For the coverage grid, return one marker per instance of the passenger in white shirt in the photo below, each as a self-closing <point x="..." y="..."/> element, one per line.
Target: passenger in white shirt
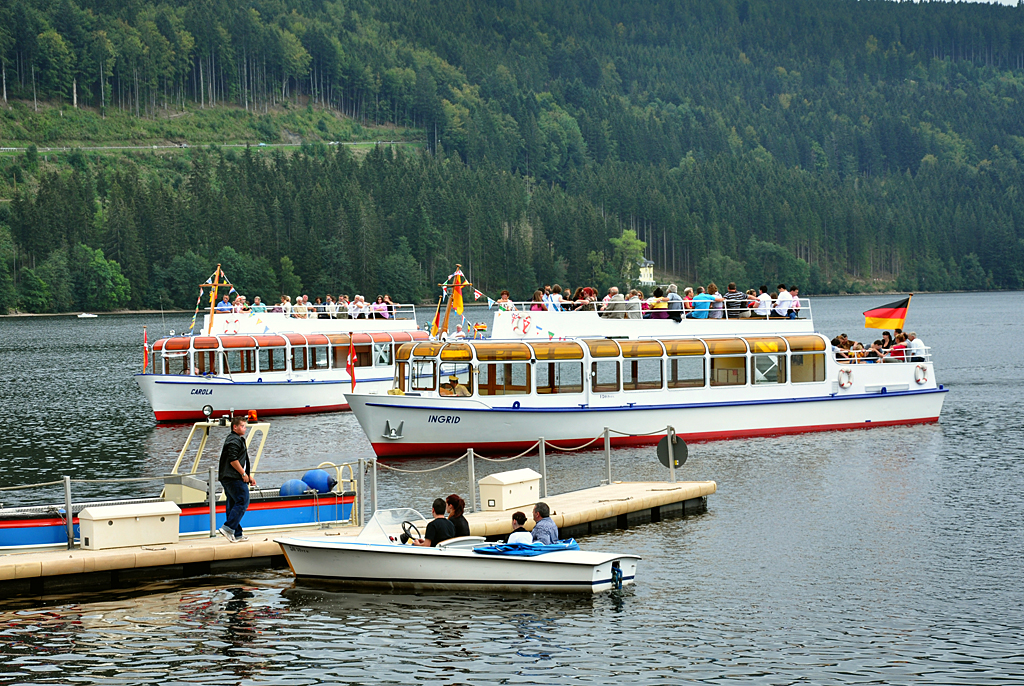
<point x="916" y="348"/>
<point x="357" y="308"/>
<point x="519" y="534"/>
<point x="764" y="303"/>
<point x="783" y="302"/>
<point x="459" y="333"/>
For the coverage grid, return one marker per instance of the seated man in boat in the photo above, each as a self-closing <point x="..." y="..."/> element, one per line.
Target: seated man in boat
<point x="454" y="388"/>
<point x="224" y="305"/>
<point x="545" y="531"/>
<point x="519" y="534"/>
<point x="439" y="529"/>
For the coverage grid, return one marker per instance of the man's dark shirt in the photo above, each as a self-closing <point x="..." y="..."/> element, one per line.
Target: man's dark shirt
<point x="438" y="531"/>
<point x="234" y="449"/>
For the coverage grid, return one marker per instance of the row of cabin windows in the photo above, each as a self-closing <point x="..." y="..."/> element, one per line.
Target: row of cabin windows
<point x="609" y="376"/>
<point x="264" y="360"/>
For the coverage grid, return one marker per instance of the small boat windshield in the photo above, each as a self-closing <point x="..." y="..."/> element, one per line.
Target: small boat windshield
<point x="387" y="524"/>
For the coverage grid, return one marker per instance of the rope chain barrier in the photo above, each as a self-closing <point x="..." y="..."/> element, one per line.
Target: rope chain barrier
<point x="18" y="488"/>
<point x="509" y="459"/>
<point x="423" y="471"/>
<point x="579" y="447"/>
<point x="650" y="433"/>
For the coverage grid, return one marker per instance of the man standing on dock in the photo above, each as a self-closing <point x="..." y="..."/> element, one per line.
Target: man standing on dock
<point x="545" y="531"/>
<point x="234" y="477"/>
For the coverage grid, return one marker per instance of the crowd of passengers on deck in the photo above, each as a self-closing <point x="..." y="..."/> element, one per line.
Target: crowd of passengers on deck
<point x="666" y="303"/>
<point x="382" y="307"/>
<point x="903" y="347"/>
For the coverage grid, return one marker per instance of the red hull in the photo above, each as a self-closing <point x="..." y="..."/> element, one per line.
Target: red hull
<point x="403" y="449"/>
<point x="197" y="415"/>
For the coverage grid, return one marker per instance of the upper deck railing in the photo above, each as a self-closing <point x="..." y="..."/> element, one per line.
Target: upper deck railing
<point x="633" y="309"/>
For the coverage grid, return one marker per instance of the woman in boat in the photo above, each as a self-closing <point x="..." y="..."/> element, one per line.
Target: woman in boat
<point x="504" y="303"/>
<point x="390" y="304"/>
<point x="519" y="533"/>
<point x="538" y="304"/>
<point x="456" y="506"/>
<point x="718" y="304"/>
<point x="659" y="305"/>
<point x="886" y="341"/>
<point x="379" y="308"/>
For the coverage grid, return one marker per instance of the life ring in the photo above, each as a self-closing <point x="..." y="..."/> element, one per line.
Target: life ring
<point x="921" y="374"/>
<point x="845" y="378"/>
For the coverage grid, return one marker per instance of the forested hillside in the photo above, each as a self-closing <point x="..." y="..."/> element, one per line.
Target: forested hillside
<point x="845" y="145"/>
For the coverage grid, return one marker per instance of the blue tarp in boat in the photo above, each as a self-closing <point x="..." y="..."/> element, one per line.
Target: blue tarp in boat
<point x="527" y="549"/>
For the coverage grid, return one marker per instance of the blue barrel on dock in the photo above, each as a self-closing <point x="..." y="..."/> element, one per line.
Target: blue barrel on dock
<point x="294" y="487"/>
<point x="319" y="480"/>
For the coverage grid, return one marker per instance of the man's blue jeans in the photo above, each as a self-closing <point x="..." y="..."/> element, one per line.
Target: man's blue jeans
<point x="236" y="492"/>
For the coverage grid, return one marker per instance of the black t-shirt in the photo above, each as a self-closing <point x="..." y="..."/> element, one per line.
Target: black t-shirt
<point x="438" y="531"/>
<point x="461" y="525"/>
<point x="234" y="449"/>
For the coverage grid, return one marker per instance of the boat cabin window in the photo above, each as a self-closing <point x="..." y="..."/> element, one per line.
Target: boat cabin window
<point x="807" y="359"/>
<point x="382" y="354"/>
<point x="273" y="359"/>
<point x="559" y="377"/>
<point x="205" y="362"/>
<point x="504" y="378"/>
<point x="173" y="362"/>
<point x="728" y="361"/>
<point x="641" y="375"/>
<point x="298" y="358"/>
<point x="422" y="378"/>
<point x="461" y="370"/>
<point x="604" y="375"/>
<point x="238" y="361"/>
<point x="686" y="372"/>
<point x="318" y="357"/>
<point x="494" y="352"/>
<point x="768" y="363"/>
<point x="602" y="347"/>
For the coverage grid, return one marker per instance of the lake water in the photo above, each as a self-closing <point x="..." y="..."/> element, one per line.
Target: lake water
<point x="893" y="555"/>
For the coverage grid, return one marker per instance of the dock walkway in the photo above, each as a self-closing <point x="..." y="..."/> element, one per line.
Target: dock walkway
<point x="577" y="513"/>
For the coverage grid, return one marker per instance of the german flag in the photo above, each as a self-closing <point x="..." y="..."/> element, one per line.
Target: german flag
<point x="889" y="316"/>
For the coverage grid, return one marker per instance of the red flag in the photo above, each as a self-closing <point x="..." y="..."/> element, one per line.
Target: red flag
<point x="145" y="349"/>
<point x="350" y="363"/>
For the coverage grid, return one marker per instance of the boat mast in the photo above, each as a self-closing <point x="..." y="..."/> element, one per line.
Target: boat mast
<point x="213" y="295"/>
<point x="448" y="309"/>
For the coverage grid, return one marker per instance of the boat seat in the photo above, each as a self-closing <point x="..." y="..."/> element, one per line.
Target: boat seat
<point x="468" y="542"/>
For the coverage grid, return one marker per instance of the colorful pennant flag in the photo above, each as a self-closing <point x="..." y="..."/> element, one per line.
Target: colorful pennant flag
<point x="477" y="295"/>
<point x="891" y="316"/>
<point x="490" y="303"/>
<point x="145" y="349"/>
<point x="350" y="363"/>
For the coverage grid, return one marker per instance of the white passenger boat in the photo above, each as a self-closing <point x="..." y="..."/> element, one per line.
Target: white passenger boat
<point x="272" y="363"/>
<point x="568" y="375"/>
<point x="377" y="559"/>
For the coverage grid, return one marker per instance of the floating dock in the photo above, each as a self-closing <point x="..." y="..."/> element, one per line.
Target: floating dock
<point x="619" y="505"/>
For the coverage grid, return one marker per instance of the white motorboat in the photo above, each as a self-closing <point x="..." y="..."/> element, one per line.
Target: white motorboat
<point x="86" y="315"/>
<point x="377" y="558"/>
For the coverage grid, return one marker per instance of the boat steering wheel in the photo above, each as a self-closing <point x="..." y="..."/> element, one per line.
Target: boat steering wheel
<point x="408" y="527"/>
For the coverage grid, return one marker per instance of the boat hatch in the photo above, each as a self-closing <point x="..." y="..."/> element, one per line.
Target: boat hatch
<point x="557" y="351"/>
<point x="427" y="349"/>
<point x="205" y="343"/>
<point x="603" y="347"/>
<point x="270" y="341"/>
<point x="634" y="348"/>
<point x="237" y="342"/>
<point x="680" y="348"/>
<point x="495" y="352"/>
<point x="726" y="346"/>
<point x="457" y="352"/>
<point x="806" y="344"/>
<point x="767" y="344"/>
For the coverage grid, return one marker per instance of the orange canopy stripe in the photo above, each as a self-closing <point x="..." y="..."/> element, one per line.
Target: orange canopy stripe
<point x="891" y="316"/>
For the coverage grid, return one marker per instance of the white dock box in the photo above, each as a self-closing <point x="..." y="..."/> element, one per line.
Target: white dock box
<point x="125" y="526"/>
<point x="510" y="490"/>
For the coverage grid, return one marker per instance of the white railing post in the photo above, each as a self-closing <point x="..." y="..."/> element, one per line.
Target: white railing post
<point x="608" y="454"/>
<point x="360" y="484"/>
<point x="68" y="511"/>
<point x="543" y="468"/>
<point x="472" y="481"/>
<point x="671" y="436"/>
<point x="211" y="497"/>
<point x="373" y="484"/>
